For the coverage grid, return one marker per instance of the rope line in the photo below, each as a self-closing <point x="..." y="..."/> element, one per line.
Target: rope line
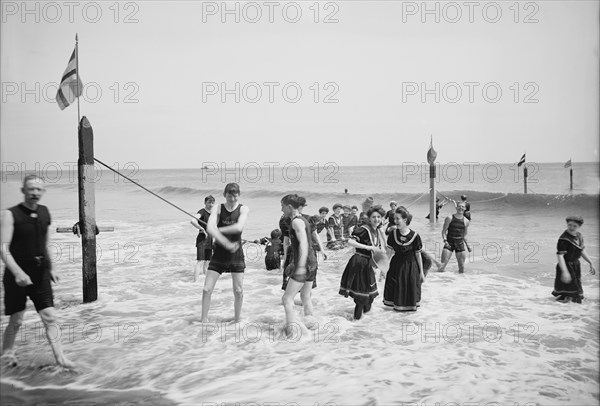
<point x="418" y="198"/>
<point x="491" y="200"/>
<point x="146" y="189"/>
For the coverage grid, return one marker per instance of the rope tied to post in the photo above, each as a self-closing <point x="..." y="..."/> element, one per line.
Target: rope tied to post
<point x="149" y="191"/>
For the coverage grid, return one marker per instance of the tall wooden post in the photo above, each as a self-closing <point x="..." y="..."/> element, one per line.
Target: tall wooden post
<point x="87" y="211"/>
<point x="431" y="156"/>
<point x="525" y="178"/>
<point x="571" y="179"/>
<point x="432" y="204"/>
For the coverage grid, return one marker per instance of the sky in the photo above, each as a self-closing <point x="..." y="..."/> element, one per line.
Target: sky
<point x="180" y="84"/>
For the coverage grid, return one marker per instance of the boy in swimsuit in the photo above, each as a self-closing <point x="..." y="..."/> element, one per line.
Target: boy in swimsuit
<point x="225" y="225"/>
<point x="204" y="242"/>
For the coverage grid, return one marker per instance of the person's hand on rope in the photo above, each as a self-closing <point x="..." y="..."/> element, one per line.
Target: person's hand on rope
<point x="231" y="246"/>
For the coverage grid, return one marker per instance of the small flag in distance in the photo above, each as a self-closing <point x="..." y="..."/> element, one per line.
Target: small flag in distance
<point x="521" y="161"/>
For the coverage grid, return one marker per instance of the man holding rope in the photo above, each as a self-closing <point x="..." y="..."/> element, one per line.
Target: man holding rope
<point x="204" y="242"/>
<point x="225" y="225"/>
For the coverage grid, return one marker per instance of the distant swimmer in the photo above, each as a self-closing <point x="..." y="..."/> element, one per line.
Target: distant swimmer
<point x="346" y="191"/>
<point x="454" y="234"/>
<point x="302" y="271"/>
<point x="225" y="225"/>
<point x="28" y="272"/>
<point x="204" y="242"/>
<point x="570" y="247"/>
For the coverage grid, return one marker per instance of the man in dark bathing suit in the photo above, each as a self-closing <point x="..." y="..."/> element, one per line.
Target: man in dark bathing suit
<point x="28" y="273"/>
<point x="204" y="243"/>
<point x="454" y="234"/>
<point x="225" y="225"/>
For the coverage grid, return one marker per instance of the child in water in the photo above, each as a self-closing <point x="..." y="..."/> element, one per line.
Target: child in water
<point x="273" y="249"/>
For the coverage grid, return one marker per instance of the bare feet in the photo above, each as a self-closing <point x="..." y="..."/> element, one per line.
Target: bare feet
<point x="65" y="363"/>
<point x="311" y="323"/>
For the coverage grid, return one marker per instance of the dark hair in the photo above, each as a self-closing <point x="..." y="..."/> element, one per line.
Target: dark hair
<point x="293" y="200"/>
<point x="354" y="207"/>
<point x="323" y="209"/>
<point x="464" y="197"/>
<point x="377" y="209"/>
<point x="337" y="205"/>
<point x="575" y="219"/>
<point x="302" y="201"/>
<point x="232" y="188"/>
<point x="209" y="198"/>
<point x="314" y="220"/>
<point x="403" y="212"/>
<point x="276" y="233"/>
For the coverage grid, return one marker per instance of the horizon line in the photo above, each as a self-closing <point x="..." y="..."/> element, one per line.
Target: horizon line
<point x="405" y="163"/>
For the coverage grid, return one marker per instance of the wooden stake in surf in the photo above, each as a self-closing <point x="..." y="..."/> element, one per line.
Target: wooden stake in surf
<point x="431" y="156"/>
<point x="525" y="178"/>
<point x="571" y="179"/>
<point x="87" y="211"/>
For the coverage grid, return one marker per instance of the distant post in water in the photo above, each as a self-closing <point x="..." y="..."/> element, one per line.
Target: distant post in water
<point x="571" y="179"/>
<point x="569" y="165"/>
<point x="521" y="162"/>
<point x="431" y="156"/>
<point x="87" y="211"/>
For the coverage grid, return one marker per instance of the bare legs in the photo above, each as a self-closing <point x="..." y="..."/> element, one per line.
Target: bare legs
<point x="53" y="333"/>
<point x="293" y="287"/>
<point x="209" y="285"/>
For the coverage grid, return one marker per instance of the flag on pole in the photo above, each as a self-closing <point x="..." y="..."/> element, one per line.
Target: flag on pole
<point x="431" y="154"/>
<point x="522" y="161"/>
<point x="568" y="164"/>
<point x="70" y="85"/>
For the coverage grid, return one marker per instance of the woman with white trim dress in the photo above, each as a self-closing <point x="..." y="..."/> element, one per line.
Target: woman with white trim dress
<point x="404" y="278"/>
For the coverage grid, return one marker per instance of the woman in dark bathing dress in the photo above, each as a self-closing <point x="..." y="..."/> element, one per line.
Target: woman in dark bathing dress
<point x="358" y="280"/>
<point x="567" y="283"/>
<point x="405" y="276"/>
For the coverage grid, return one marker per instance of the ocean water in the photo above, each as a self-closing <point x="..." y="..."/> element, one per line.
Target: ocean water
<point x="493" y="334"/>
